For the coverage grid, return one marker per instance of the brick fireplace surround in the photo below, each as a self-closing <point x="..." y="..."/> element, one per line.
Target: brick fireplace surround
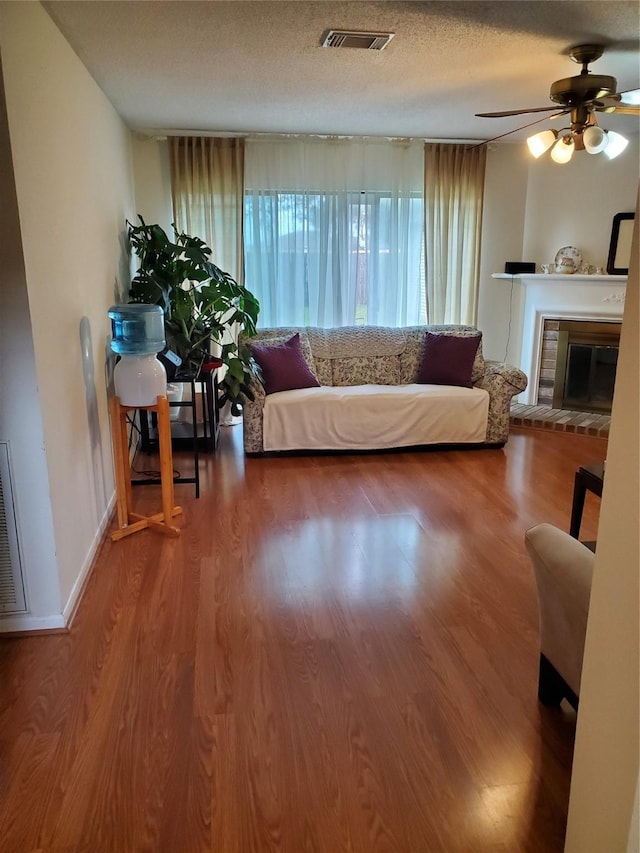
<point x="546" y="300"/>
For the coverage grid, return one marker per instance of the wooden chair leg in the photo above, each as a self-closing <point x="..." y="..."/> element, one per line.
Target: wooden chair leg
<point x="552" y="688"/>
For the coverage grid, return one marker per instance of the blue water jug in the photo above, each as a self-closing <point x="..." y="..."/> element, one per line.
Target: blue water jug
<point x="137" y="335"/>
<point x="137" y="329"/>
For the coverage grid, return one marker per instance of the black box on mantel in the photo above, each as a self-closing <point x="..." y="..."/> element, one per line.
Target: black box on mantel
<point x="518" y="267"/>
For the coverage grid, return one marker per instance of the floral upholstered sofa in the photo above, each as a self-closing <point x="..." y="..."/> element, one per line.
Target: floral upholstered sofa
<point x="374" y="387"/>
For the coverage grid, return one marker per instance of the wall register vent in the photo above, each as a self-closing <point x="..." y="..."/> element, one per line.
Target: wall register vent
<point x="364" y="41"/>
<point x="11" y="588"/>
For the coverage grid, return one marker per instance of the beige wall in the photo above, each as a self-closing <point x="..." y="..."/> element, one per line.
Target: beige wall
<point x="152" y="176"/>
<point x="574" y="204"/>
<point x="499" y="303"/>
<point x="20" y="416"/>
<point x="606" y="758"/>
<point x="533" y="208"/>
<point x="74" y="184"/>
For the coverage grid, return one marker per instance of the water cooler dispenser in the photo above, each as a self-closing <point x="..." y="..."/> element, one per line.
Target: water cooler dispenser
<point x="138" y="336"/>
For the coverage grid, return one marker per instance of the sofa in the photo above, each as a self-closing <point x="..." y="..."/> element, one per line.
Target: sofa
<point x="364" y="393"/>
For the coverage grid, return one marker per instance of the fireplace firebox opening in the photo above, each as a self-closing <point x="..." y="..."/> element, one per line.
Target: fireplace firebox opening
<point x="585" y="369"/>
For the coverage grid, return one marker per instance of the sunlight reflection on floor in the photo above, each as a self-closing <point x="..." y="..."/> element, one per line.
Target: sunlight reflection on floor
<point x="362" y="559"/>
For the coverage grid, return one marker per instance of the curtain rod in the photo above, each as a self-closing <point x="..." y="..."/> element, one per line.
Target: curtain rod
<point x="163" y="135"/>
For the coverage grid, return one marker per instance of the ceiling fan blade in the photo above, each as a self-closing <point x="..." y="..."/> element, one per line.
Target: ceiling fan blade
<point x="625" y="109"/>
<point x="622" y="108"/>
<point x="522" y="127"/>
<point x="630" y="97"/>
<point x="516" y="112"/>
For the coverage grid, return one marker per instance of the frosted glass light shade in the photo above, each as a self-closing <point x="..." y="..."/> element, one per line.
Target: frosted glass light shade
<point x="541" y="142"/>
<point x="595" y="139"/>
<point x="139" y="380"/>
<point x="615" y="145"/>
<point x="563" y="150"/>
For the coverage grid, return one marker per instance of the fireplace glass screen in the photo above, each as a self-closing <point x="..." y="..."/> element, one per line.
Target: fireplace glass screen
<point x="586" y="367"/>
<point x="591" y="374"/>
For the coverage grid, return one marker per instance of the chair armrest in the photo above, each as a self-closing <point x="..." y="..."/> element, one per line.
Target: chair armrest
<point x="563" y="569"/>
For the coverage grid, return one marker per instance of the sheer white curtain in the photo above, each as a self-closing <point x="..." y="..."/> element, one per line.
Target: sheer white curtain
<point x="453" y="195"/>
<point x="207" y="188"/>
<point x="333" y="231"/>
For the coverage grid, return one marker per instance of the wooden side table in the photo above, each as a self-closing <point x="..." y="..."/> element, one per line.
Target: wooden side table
<point x="588" y="478"/>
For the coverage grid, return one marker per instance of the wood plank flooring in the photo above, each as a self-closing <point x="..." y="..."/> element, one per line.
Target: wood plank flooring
<point x="339" y="653"/>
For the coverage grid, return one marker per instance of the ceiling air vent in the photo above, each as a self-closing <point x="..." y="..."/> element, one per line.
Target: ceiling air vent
<point x="349" y="38"/>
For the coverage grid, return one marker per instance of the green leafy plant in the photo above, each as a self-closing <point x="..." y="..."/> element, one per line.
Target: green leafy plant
<point x="201" y="303"/>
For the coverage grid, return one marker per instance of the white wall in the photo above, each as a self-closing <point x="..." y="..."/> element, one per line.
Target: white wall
<point x="74" y="183"/>
<point x="606" y="758"/>
<point x="533" y="208"/>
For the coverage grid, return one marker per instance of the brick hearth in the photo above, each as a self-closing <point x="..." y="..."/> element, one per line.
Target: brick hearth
<point x="544" y="417"/>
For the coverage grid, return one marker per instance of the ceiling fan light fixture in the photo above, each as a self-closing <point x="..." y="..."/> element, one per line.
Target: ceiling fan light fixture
<point x="563" y="150"/>
<point x="615" y="145"/>
<point x="595" y="139"/>
<point x="541" y="142"/>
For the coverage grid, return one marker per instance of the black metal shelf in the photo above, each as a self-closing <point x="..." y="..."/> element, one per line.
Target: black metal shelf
<point x="197" y="436"/>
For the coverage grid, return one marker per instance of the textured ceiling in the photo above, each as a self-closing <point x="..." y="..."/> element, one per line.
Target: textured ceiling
<point x="257" y="66"/>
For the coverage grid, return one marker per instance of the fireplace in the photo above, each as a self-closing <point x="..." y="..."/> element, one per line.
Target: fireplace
<point x="550" y="299"/>
<point x="578" y="365"/>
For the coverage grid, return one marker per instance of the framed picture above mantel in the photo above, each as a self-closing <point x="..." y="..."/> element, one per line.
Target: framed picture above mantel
<point x="620" y="245"/>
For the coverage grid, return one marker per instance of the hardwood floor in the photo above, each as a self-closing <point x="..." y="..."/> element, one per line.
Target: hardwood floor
<point x="339" y="653"/>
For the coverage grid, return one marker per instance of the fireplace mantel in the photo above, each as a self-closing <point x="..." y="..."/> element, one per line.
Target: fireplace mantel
<point x="570" y="297"/>
<point x="570" y="279"/>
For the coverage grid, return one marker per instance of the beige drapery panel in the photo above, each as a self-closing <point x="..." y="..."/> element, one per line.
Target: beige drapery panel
<point x="453" y="196"/>
<point x="207" y="190"/>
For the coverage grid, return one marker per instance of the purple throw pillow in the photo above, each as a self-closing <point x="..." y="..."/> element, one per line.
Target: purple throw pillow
<point x="448" y="360"/>
<point x="283" y="366"/>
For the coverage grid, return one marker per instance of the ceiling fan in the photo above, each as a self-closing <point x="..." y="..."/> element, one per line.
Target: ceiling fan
<point x="580" y="97"/>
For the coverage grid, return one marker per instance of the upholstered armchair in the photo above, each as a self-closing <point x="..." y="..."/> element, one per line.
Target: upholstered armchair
<point x="563" y="568"/>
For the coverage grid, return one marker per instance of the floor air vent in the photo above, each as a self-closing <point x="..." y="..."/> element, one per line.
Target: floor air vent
<point x="349" y="38"/>
<point x="11" y="588"/>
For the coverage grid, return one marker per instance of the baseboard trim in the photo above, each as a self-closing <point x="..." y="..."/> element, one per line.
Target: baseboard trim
<point x="22" y="623"/>
<point x="25" y="623"/>
<point x="75" y="597"/>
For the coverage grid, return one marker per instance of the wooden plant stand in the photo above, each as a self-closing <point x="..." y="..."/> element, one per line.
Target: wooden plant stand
<point x="129" y="521"/>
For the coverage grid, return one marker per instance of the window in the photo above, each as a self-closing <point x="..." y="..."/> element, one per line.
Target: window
<point x="330" y="254"/>
<point x="330" y="257"/>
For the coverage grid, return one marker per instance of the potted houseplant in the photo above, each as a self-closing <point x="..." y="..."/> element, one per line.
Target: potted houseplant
<point x="202" y="305"/>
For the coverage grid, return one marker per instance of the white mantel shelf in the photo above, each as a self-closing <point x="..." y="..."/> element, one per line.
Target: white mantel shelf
<point x="564" y="297"/>
<point x="567" y="278"/>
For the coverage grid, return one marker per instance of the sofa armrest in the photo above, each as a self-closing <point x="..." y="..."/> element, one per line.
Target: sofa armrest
<point x="252" y="417"/>
<point x="502" y="382"/>
<point x="499" y="372"/>
<point x="563" y="569"/>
